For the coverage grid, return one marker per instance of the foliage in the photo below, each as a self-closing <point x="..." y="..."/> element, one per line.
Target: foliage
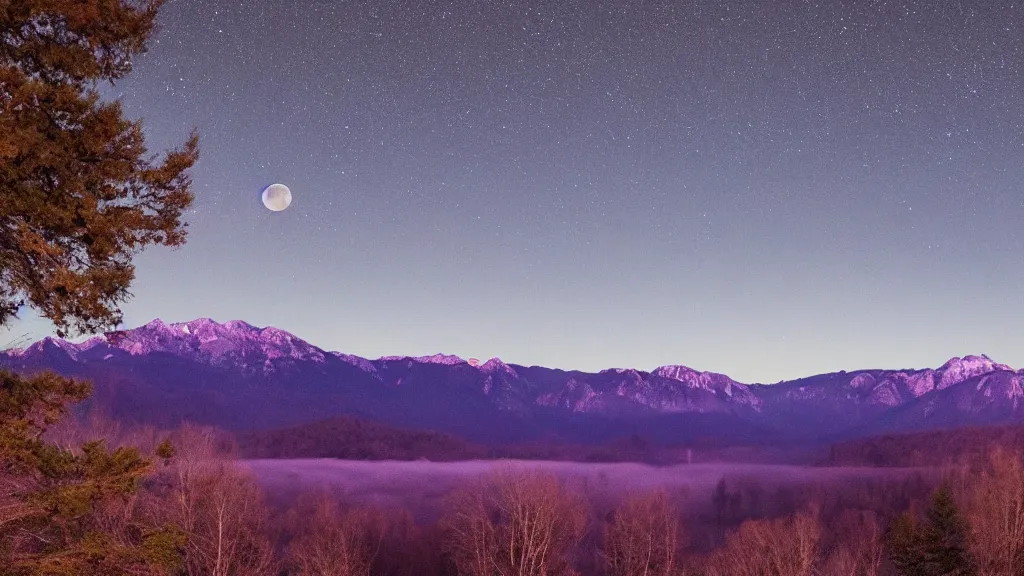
<point x="109" y="511"/>
<point x="63" y="511"/>
<point x="79" y="197"/>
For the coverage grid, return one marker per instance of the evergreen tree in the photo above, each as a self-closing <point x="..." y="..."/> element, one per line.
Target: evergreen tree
<point x="905" y="546"/>
<point x="79" y="195"/>
<point x="937" y="547"/>
<point x="945" y="538"/>
<point x="65" y="513"/>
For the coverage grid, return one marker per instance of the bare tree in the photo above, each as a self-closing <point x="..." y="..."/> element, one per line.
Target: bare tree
<point x="860" y="549"/>
<point x="523" y="524"/>
<point x="471" y="534"/>
<point x="228" y="534"/>
<point x="779" y="547"/>
<point x="994" y="498"/>
<point x="643" y="538"/>
<point x="842" y="562"/>
<point x="218" y="508"/>
<point x="331" y="542"/>
<point x="95" y="423"/>
<point x="407" y="549"/>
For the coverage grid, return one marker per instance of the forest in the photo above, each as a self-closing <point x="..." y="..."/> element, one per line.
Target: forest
<point x="89" y="496"/>
<point x="354" y="438"/>
<point x="930" y="448"/>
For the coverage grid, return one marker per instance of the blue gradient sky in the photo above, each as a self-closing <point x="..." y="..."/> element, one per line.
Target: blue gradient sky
<point x="764" y="189"/>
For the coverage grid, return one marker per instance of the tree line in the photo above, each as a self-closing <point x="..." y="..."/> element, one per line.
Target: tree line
<point x="928" y="448"/>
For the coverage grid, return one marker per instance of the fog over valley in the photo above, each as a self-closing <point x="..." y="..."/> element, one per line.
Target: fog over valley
<point x="420" y="486"/>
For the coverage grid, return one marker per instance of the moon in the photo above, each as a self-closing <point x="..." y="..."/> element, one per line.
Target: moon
<point x="277" y="197"/>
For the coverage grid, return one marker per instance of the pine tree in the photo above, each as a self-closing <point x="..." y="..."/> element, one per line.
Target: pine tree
<point x="945" y="538"/>
<point x="52" y="500"/>
<point x="905" y="546"/>
<point x="936" y="547"/>
<point x="79" y="195"/>
<point x="79" y="198"/>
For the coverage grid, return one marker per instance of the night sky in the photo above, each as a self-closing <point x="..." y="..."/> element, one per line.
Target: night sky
<point x="765" y="189"/>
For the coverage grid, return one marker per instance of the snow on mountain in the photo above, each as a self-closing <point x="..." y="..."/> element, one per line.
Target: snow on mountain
<point x="70" y="348"/>
<point x="357" y="361"/>
<point x="710" y="381"/>
<point x="995" y="397"/>
<point x="219" y="344"/>
<point x="421" y="389"/>
<point x="443" y="359"/>
<point x="496" y="366"/>
<point x="576" y="396"/>
<point x="957" y="370"/>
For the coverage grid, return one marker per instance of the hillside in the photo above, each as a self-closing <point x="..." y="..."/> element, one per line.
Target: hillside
<point x="352" y="438"/>
<point x="932" y="448"/>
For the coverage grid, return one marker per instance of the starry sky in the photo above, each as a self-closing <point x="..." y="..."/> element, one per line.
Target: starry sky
<point x="764" y="189"/>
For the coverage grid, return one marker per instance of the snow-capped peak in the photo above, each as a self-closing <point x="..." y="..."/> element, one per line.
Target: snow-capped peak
<point x="627" y="371"/>
<point x="689" y="375"/>
<point x="72" y="349"/>
<point x="154" y="324"/>
<point x="958" y="369"/>
<point x="209" y="340"/>
<point x="446" y="359"/>
<point x="495" y="365"/>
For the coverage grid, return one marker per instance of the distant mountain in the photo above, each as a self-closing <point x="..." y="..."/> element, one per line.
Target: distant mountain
<point x="243" y="377"/>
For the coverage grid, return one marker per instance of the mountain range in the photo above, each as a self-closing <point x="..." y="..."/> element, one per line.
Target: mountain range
<point x="241" y="377"/>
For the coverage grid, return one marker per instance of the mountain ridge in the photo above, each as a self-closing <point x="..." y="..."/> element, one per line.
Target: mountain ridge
<point x="207" y="327"/>
<point x="240" y="375"/>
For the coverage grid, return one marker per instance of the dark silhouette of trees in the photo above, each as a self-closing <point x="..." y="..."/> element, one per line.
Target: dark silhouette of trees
<point x="906" y="546"/>
<point x="932" y="448"/>
<point x="946" y="537"/>
<point x="354" y="438"/>
<point x="720" y="501"/>
<point x="79" y="195"/>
